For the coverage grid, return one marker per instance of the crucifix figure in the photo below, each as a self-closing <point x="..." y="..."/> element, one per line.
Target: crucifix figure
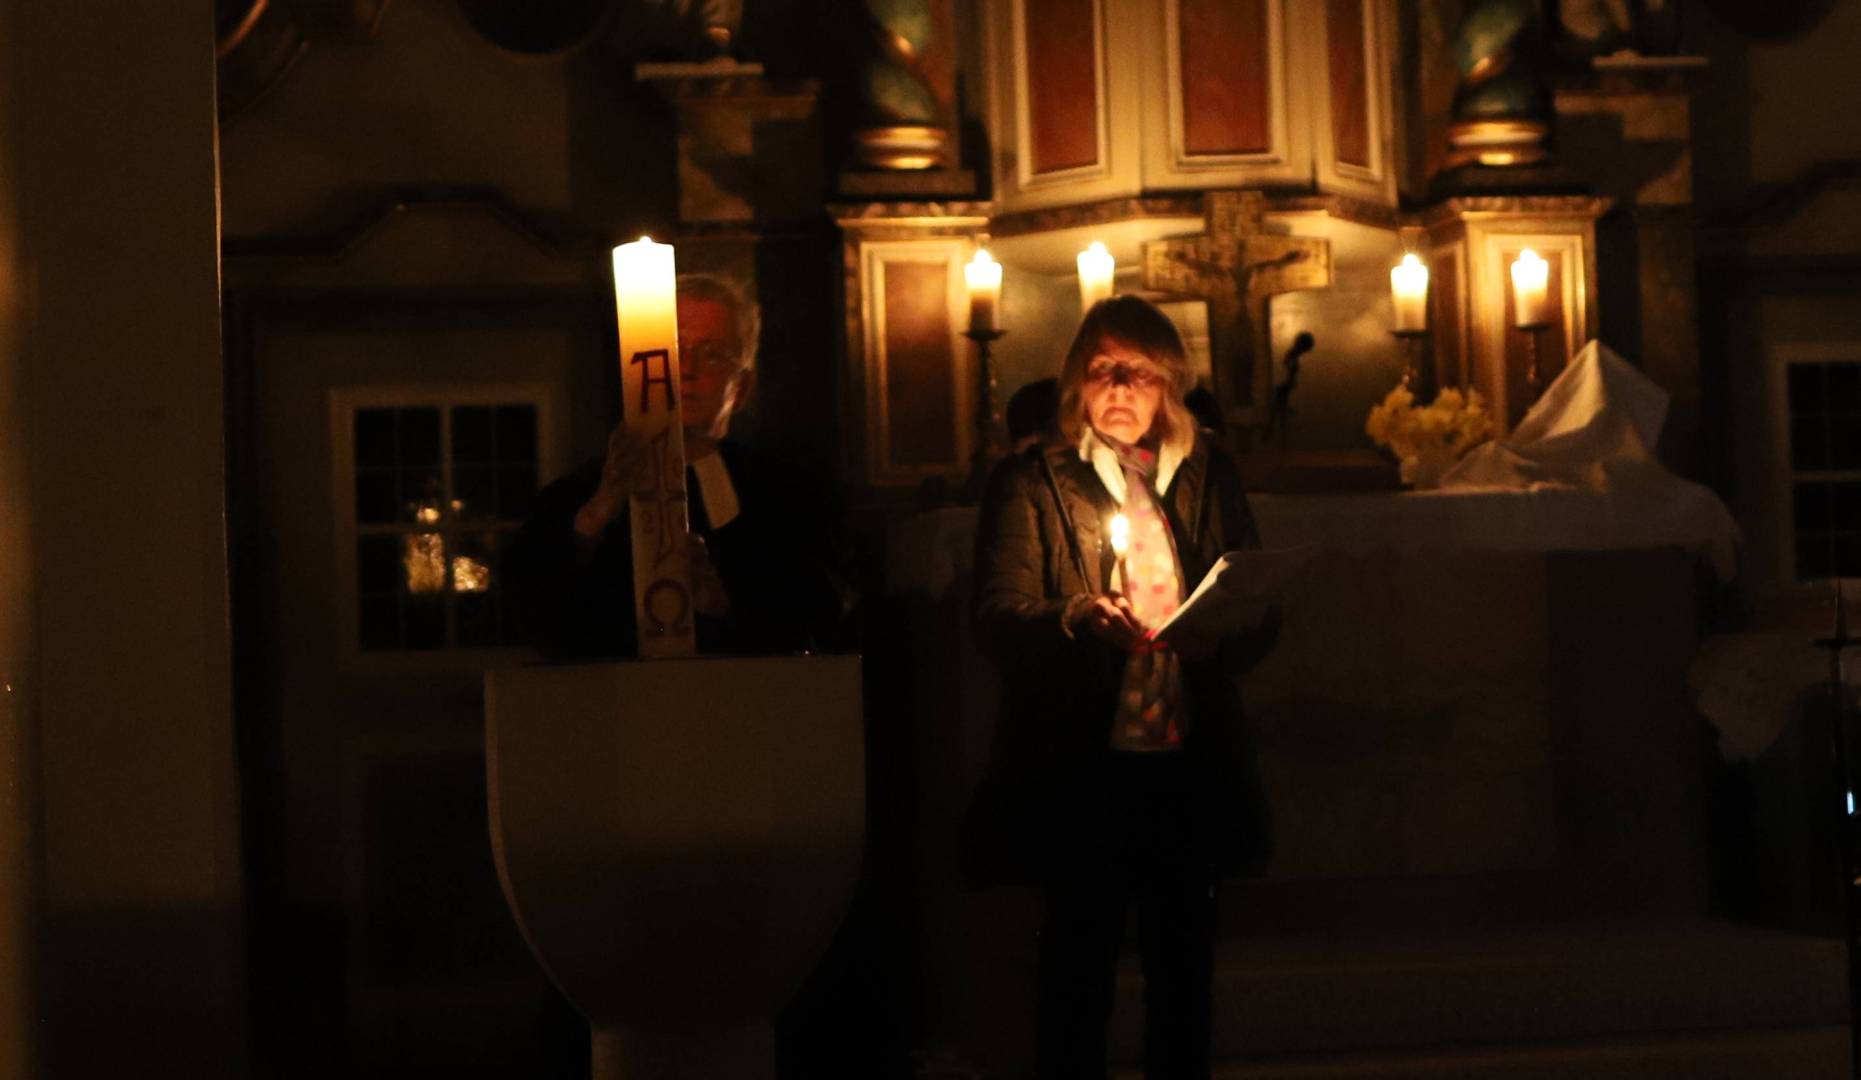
<point x="1237" y="268"/>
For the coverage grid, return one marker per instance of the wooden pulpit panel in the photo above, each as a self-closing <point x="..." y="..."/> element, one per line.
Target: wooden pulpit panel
<point x="1060" y="42"/>
<point x="1447" y="315"/>
<point x="920" y="390"/>
<point x="916" y="364"/>
<point x="1225" y="77"/>
<point x="1354" y="127"/>
<point x="1349" y="70"/>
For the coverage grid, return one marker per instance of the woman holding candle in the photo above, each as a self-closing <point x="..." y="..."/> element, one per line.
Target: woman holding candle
<point x="1122" y="773"/>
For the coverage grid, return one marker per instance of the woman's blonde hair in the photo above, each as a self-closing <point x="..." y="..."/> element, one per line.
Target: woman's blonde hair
<point x="1138" y="324"/>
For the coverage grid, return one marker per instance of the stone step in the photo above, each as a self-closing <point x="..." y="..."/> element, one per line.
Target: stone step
<point x="1814" y="1053"/>
<point x="1289" y="995"/>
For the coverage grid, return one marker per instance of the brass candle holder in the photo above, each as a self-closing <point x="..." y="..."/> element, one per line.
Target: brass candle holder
<point x="988" y="418"/>
<point x="1417" y="376"/>
<point x="1534" y="347"/>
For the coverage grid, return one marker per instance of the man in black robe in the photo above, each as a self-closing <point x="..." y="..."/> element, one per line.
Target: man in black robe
<point x="761" y="536"/>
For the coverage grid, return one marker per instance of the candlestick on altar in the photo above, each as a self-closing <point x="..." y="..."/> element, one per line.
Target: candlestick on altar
<point x="1531" y="277"/>
<point x="1408" y="286"/>
<point x="983" y="275"/>
<point x="1096" y="268"/>
<point x="1120" y="546"/>
<point x="1531" y="310"/>
<point x="646" y="309"/>
<point x="988" y="419"/>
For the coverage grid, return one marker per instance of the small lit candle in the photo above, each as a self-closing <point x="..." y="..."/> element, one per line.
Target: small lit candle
<point x="1408" y="285"/>
<point x="1095" y="270"/>
<point x="984" y="277"/>
<point x="1120" y="544"/>
<point x="1531" y="277"/>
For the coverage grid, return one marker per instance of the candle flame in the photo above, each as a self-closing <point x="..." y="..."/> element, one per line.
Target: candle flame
<point x="1120" y="534"/>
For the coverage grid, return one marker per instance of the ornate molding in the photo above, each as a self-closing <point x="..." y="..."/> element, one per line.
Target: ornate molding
<point x="338" y="243"/>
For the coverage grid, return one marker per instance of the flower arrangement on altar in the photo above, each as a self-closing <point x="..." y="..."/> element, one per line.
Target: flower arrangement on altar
<point x="1429" y="438"/>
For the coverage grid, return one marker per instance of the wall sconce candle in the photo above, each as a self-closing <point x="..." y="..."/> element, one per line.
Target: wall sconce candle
<point x="1408" y="286"/>
<point x="1095" y="270"/>
<point x="984" y="278"/>
<point x="1531" y="277"/>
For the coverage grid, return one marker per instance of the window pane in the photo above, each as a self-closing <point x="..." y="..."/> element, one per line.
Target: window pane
<point x="374" y="437"/>
<point x="1845" y="441"/>
<point x="1813" y="513"/>
<point x="1806" y="388"/>
<point x="424" y="622"/>
<point x="1844" y="386"/>
<point x="419" y="436"/>
<point x="471" y="434"/>
<point x="374" y="496"/>
<point x="1846" y="506"/>
<point x="1809" y="445"/>
<point x="474" y="490"/>
<point x="474" y="562"/>
<point x="478" y="621"/>
<point x="380" y="618"/>
<point x="423" y="562"/>
<point x="1848" y="556"/>
<point x="378" y="564"/>
<point x="420" y="496"/>
<point x="517" y="433"/>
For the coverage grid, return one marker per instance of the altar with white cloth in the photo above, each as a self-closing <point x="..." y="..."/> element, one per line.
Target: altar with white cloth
<point x="1468" y="683"/>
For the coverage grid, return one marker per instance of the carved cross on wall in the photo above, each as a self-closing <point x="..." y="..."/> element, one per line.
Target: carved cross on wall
<point x="1237" y="268"/>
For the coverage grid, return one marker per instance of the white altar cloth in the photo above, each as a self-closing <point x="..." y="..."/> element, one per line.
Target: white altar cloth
<point x="1543" y="518"/>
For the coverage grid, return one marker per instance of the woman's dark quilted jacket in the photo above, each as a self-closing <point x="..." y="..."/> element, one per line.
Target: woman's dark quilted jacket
<point x="1039" y="543"/>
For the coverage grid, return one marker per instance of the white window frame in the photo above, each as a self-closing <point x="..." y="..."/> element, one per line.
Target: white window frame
<point x="1783" y="473"/>
<point x="345" y="401"/>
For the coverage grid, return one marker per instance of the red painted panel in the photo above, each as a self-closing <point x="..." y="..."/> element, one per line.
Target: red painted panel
<point x="1062" y="85"/>
<point x="920" y="370"/>
<point x="1445" y="321"/>
<point x="1350" y="82"/>
<point x="1225" y="77"/>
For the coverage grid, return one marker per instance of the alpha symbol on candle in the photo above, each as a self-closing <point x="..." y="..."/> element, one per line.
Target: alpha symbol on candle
<point x="648" y="380"/>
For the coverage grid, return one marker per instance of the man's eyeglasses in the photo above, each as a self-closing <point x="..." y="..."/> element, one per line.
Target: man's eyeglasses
<point x="1138" y="378"/>
<point x="717" y="355"/>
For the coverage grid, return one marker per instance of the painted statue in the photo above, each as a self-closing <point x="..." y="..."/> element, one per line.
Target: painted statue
<point x="1502" y="110"/>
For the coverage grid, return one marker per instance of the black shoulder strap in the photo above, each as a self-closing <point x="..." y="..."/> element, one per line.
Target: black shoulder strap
<point x="1066" y="520"/>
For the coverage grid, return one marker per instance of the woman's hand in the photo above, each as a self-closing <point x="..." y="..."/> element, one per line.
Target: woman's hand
<point x="1110" y="619"/>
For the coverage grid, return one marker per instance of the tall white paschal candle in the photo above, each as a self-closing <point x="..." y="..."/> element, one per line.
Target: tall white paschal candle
<point x="646" y="304"/>
<point x="1408" y="287"/>
<point x="1095" y="270"/>
<point x="1531" y="277"/>
<point x="983" y="275"/>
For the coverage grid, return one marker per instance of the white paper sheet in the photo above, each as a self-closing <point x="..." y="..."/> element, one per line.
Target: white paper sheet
<point x="1233" y="597"/>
